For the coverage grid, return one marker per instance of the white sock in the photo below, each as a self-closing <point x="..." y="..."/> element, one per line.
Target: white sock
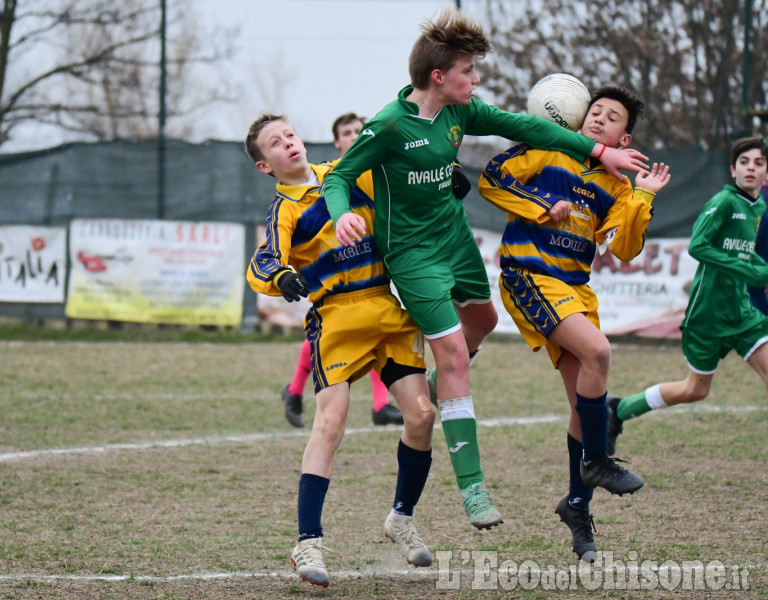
<point x="653" y="397"/>
<point x="456" y="408"/>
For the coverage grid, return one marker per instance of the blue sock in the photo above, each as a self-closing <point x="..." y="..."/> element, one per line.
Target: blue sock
<point x="579" y="493"/>
<point x="593" y="417"/>
<point x="411" y="477"/>
<point x="312" y="490"/>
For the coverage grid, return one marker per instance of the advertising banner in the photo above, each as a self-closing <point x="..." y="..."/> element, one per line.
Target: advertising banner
<point x="175" y="272"/>
<point x="645" y="297"/>
<point x="32" y="263"/>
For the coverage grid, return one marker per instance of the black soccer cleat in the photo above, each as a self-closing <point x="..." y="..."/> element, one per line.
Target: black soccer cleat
<point x="293" y="405"/>
<point x="605" y="473"/>
<point x="387" y="415"/>
<point x="615" y="425"/>
<point x="581" y="525"/>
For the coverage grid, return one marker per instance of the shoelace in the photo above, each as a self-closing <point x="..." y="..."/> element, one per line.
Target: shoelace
<point x="586" y="522"/>
<point x="313" y="555"/>
<point x="409" y="534"/>
<point x="479" y="501"/>
<point x="613" y="470"/>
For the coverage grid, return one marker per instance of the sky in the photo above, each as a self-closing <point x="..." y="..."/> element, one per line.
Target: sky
<point x="314" y="59"/>
<point x="311" y="60"/>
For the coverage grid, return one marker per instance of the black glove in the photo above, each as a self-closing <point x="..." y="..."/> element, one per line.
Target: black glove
<point x="461" y="185"/>
<point x="292" y="286"/>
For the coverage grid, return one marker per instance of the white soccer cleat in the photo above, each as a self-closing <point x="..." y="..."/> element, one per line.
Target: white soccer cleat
<point x="307" y="557"/>
<point x="401" y="530"/>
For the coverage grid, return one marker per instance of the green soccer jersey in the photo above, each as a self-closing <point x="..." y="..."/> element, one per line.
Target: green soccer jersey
<point x="411" y="158"/>
<point x="723" y="241"/>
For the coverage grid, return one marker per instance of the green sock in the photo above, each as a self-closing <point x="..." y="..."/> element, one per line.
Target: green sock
<point x="461" y="436"/>
<point x="632" y="406"/>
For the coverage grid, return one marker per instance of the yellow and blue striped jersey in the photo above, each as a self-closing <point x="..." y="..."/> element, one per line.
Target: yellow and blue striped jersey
<point x="301" y="235"/>
<point x="526" y="183"/>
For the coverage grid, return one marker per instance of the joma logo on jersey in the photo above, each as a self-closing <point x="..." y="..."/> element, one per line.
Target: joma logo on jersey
<point x="416" y="144"/>
<point x="739" y="216"/>
<point x="567" y="243"/>
<point x="738" y="245"/>
<point x="352" y="251"/>
<point x="335" y="366"/>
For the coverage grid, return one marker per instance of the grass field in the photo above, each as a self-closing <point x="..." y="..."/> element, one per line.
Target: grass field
<point x="167" y="471"/>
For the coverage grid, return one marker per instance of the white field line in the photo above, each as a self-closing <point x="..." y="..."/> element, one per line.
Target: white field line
<point x="254" y="437"/>
<point x="630" y="573"/>
<point x="289" y="574"/>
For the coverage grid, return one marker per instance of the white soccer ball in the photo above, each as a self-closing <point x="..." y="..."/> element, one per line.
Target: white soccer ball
<point x="560" y="98"/>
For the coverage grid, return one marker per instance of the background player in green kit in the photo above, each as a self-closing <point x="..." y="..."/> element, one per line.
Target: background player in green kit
<point x="421" y="229"/>
<point x="720" y="316"/>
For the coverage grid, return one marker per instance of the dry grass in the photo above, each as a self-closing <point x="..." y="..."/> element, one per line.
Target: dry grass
<point x="200" y="500"/>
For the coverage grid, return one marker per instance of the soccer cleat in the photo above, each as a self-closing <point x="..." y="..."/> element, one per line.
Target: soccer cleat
<point x="432" y="383"/>
<point x="307" y="557"/>
<point x="293" y="407"/>
<point x="605" y="473"/>
<point x="581" y="525"/>
<point x="615" y="425"/>
<point x="387" y="415"/>
<point x="401" y="530"/>
<point x="479" y="506"/>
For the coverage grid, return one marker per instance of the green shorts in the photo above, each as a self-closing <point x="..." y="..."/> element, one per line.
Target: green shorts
<point x="430" y="280"/>
<point x="704" y="350"/>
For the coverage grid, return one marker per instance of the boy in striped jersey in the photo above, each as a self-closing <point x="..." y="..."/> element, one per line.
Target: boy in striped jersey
<point x="720" y="316"/>
<point x="560" y="211"/>
<point x="355" y="323"/>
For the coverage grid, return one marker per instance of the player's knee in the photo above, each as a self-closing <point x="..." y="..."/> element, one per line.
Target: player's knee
<point x="697" y="392"/>
<point x="598" y="359"/>
<point x="419" y="423"/>
<point x="329" y="426"/>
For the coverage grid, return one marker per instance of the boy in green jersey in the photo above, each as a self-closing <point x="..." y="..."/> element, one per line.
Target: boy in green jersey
<point x="720" y="316"/>
<point x="421" y="229"/>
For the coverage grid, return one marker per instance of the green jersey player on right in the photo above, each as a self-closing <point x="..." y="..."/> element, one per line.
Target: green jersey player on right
<point x="421" y="229"/>
<point x="720" y="316"/>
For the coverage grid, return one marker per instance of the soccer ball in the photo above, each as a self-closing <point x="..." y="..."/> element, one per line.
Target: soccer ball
<point x="560" y="98"/>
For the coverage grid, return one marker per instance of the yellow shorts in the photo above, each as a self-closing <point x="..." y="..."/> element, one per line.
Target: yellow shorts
<point x="538" y="303"/>
<point x="352" y="333"/>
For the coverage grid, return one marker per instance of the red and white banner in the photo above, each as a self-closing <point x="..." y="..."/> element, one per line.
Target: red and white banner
<point x="32" y="263"/>
<point x="178" y="272"/>
<point x="645" y="297"/>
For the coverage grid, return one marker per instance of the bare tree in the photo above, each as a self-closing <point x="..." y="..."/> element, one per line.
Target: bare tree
<point x="684" y="56"/>
<point x="92" y="66"/>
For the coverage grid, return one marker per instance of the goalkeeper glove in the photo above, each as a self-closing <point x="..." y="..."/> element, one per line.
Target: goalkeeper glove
<point x="461" y="185"/>
<point x="292" y="286"/>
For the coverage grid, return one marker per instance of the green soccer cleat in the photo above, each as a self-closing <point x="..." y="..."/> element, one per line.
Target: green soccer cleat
<point x="479" y="507"/>
<point x="401" y="530"/>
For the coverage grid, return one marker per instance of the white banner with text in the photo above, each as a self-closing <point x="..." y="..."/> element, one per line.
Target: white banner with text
<point x="176" y="272"/>
<point x="32" y="263"/>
